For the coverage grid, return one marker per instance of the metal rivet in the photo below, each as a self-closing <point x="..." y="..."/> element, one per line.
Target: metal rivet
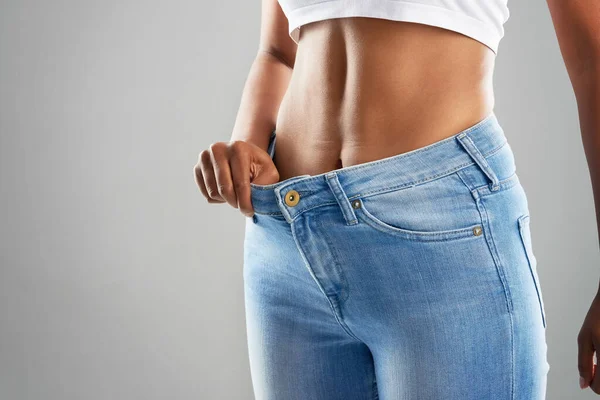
<point x="356" y="204"/>
<point x="292" y="198"/>
<point x="477" y="231"/>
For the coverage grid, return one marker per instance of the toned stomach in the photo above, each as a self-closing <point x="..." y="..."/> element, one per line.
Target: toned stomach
<point x="363" y="89"/>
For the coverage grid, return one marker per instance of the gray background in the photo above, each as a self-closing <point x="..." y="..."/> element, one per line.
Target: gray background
<point x="118" y="280"/>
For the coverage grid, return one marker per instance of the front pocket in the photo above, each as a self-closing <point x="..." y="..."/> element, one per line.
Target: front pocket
<point x="525" y="233"/>
<point x="438" y="210"/>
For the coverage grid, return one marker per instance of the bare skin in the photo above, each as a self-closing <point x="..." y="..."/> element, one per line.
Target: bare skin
<point x="360" y="89"/>
<point x="363" y="89"/>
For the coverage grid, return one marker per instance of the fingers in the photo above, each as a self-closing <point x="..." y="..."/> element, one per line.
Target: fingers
<point x="240" y="172"/>
<point x="267" y="172"/>
<point x="205" y="178"/>
<point x="585" y="360"/>
<point x="222" y="172"/>
<point x="202" y="185"/>
<point x="225" y="171"/>
<point x="223" y="175"/>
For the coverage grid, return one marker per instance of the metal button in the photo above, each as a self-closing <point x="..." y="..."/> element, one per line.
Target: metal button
<point x="356" y="204"/>
<point x="477" y="231"/>
<point x="292" y="198"/>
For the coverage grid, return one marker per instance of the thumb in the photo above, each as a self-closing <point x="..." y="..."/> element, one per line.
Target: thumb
<point x="262" y="170"/>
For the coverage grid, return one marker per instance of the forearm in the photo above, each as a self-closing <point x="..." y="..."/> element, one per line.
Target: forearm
<point x="587" y="92"/>
<point x="264" y="89"/>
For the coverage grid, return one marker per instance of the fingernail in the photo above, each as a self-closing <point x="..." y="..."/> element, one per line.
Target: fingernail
<point x="582" y="383"/>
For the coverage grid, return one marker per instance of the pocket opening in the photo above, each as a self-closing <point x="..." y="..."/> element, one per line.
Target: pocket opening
<point x="443" y="209"/>
<point x="472" y="231"/>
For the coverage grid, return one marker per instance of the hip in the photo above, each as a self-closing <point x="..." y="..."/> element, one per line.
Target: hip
<point x="456" y="206"/>
<point x="433" y="240"/>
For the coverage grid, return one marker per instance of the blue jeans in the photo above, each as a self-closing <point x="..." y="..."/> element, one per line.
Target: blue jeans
<point x="409" y="277"/>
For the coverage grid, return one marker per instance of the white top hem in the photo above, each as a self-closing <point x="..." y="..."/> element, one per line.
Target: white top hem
<point x="396" y="11"/>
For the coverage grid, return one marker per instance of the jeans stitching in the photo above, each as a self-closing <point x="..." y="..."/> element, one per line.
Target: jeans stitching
<point x="345" y="290"/>
<point x="410" y="184"/>
<point x="386" y="159"/>
<point x="446" y="236"/>
<point x="375" y="392"/>
<point x="429" y="178"/>
<point x="503" y="185"/>
<point x="331" y="305"/>
<point x="507" y="294"/>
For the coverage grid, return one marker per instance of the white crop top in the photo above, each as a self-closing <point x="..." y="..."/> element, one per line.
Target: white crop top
<point x="481" y="20"/>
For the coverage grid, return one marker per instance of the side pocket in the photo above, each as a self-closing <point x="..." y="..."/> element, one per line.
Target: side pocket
<point x="525" y="232"/>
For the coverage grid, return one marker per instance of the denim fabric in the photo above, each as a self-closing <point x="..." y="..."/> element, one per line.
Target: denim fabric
<point x="409" y="277"/>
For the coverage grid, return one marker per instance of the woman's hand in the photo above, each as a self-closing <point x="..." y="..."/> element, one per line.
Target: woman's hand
<point x="224" y="172"/>
<point x="588" y="341"/>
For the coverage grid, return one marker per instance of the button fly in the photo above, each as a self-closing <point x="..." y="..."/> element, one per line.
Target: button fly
<point x="292" y="198"/>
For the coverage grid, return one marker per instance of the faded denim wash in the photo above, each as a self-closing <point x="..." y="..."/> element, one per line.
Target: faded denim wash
<point x="410" y="277"/>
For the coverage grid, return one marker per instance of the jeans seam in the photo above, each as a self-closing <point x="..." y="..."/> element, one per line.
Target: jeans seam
<point x="503" y="185"/>
<point x="389" y="188"/>
<point x="344" y="290"/>
<point x="494" y="252"/>
<point x="430" y="178"/>
<point x="468" y="185"/>
<point x="411" y="184"/>
<point x="509" y="303"/>
<point x="495" y="150"/>
<point x="375" y="392"/>
<point x="447" y="236"/>
<point x="498" y="264"/>
<point x="318" y="283"/>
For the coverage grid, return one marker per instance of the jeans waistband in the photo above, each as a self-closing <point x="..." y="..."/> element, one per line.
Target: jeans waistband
<point x="340" y="186"/>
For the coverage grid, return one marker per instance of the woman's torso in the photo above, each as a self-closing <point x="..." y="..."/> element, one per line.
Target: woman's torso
<point x="363" y="89"/>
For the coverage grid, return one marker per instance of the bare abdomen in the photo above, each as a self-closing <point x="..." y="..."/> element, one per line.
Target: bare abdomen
<point x="364" y="89"/>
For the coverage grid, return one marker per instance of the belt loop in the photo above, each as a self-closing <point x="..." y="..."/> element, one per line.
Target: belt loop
<point x="479" y="159"/>
<point x="341" y="198"/>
